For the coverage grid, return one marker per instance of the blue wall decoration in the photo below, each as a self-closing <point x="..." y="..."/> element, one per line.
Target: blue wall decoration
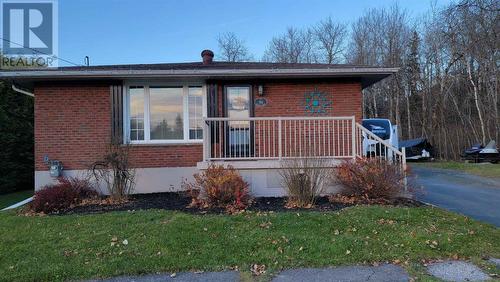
<point x="317" y="102"/>
<point x="260" y="101"/>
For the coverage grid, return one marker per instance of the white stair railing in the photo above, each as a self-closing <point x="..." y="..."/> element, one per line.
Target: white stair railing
<point x="370" y="145"/>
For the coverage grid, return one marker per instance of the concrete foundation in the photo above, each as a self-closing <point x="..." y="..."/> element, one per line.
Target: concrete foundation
<point x="262" y="176"/>
<point x="148" y="180"/>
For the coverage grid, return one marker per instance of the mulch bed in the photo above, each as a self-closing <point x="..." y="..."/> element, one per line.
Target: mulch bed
<point x="179" y="201"/>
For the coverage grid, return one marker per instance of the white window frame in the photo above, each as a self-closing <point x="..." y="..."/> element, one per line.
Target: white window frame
<point x="147" y="130"/>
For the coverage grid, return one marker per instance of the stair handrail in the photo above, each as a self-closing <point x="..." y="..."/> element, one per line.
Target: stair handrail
<point x="382" y="141"/>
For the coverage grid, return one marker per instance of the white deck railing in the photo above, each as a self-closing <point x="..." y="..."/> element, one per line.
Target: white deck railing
<point x="291" y="137"/>
<point x="278" y="137"/>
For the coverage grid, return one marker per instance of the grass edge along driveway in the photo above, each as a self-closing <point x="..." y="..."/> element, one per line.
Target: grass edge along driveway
<point x="118" y="243"/>
<point x="480" y="169"/>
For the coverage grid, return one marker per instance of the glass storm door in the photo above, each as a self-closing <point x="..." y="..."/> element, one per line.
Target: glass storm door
<point x="238" y="131"/>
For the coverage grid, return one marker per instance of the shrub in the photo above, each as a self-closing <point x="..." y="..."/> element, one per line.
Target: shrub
<point x="62" y="195"/>
<point x="304" y="179"/>
<point x="370" y="179"/>
<point x="115" y="171"/>
<point x="219" y="186"/>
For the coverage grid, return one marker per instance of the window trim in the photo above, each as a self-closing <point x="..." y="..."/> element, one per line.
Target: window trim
<point x="147" y="128"/>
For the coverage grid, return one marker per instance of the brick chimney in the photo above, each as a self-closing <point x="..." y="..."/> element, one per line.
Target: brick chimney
<point x="207" y="56"/>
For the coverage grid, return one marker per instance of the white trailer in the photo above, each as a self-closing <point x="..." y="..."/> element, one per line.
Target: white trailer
<point x="385" y="130"/>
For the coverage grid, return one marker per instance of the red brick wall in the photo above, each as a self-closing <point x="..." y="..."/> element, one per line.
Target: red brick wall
<point x="287" y="99"/>
<point x="73" y="125"/>
<point x="73" y="122"/>
<point x="166" y="155"/>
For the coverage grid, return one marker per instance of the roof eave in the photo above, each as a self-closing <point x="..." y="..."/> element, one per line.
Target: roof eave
<point x="367" y="75"/>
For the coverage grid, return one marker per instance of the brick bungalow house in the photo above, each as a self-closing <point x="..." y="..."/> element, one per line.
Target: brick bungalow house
<point x="179" y="117"/>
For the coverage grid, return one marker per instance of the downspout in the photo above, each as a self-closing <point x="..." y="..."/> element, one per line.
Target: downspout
<point x="14" y="206"/>
<point x="14" y="87"/>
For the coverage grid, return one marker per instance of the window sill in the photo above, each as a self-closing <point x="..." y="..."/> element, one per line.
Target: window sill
<point x="180" y="143"/>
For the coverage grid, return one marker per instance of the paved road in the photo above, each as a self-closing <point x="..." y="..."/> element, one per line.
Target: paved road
<point x="447" y="270"/>
<point x="474" y="196"/>
<point x="387" y="272"/>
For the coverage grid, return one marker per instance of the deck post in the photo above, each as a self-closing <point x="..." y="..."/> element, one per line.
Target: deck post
<point x="206" y="140"/>
<point x="403" y="162"/>
<point x="403" y="151"/>
<point x="279" y="139"/>
<point x="353" y="136"/>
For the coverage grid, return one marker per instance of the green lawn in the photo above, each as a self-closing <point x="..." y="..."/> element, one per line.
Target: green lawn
<point x="481" y="169"/>
<point x="90" y="246"/>
<point x="12" y="198"/>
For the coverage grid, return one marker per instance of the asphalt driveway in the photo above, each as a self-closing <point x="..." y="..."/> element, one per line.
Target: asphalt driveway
<point x="474" y="196"/>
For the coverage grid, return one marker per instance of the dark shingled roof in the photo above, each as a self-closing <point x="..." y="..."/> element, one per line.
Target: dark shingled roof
<point x="199" y="65"/>
<point x="197" y="70"/>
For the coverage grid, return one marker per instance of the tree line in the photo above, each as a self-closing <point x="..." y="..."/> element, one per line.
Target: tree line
<point x="16" y="140"/>
<point x="447" y="87"/>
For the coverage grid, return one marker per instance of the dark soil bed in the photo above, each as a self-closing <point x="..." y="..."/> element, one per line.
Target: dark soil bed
<point x="179" y="201"/>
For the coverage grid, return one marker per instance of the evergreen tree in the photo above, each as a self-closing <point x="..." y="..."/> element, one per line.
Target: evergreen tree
<point x="16" y="140"/>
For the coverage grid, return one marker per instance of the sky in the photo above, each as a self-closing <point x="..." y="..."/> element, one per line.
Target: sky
<point x="159" y="31"/>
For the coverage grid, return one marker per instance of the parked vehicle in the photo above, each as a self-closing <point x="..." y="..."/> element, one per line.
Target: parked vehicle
<point x="417" y="149"/>
<point x="479" y="153"/>
<point x="385" y="130"/>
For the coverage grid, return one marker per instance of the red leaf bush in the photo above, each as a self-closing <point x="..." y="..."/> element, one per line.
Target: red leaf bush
<point x="219" y="186"/>
<point x="370" y="179"/>
<point x="62" y="195"/>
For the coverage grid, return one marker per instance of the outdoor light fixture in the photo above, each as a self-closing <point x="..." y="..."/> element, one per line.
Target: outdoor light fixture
<point x="260" y="90"/>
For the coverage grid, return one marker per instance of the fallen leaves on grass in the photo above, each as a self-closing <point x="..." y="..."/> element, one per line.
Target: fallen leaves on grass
<point x="386" y="221"/>
<point x="265" y="225"/>
<point x="114" y="241"/>
<point x="258" y="269"/>
<point x="432" y="244"/>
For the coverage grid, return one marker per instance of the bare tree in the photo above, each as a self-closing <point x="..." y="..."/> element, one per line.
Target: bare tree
<point x="232" y="49"/>
<point x="331" y="39"/>
<point x="449" y="73"/>
<point x="379" y="38"/>
<point x="411" y="74"/>
<point x="447" y="89"/>
<point x="295" y="46"/>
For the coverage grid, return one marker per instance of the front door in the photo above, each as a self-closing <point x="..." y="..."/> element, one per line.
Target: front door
<point x="238" y="101"/>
